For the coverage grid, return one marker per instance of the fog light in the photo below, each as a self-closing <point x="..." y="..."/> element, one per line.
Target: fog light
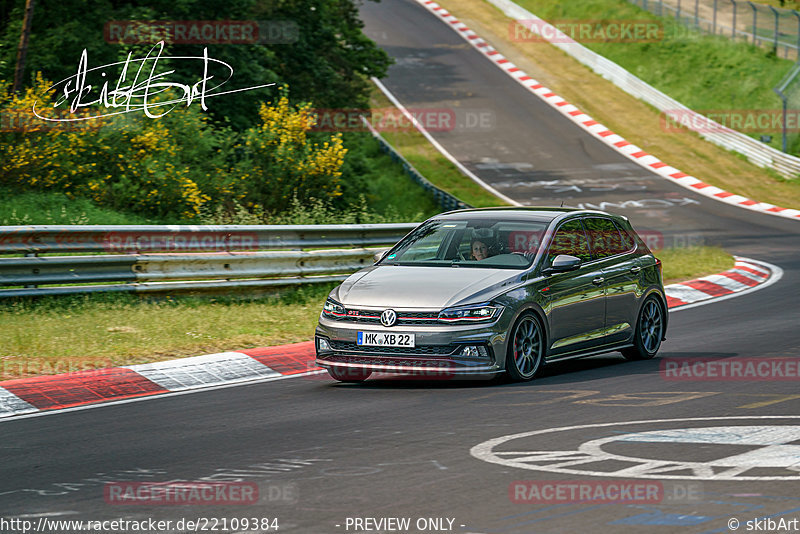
<point x="474" y="352"/>
<point x="323" y="344"/>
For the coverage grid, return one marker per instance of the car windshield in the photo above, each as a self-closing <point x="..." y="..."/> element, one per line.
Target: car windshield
<point x="485" y="243"/>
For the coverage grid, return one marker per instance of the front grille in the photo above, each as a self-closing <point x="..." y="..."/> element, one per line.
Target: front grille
<point x="403" y="317"/>
<point x="423" y="350"/>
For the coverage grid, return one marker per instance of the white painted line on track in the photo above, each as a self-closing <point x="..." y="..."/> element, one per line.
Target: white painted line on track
<point x="566" y="461"/>
<point x="472" y="176"/>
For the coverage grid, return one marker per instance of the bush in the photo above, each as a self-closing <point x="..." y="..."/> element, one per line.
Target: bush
<point x="286" y="161"/>
<point x="172" y="168"/>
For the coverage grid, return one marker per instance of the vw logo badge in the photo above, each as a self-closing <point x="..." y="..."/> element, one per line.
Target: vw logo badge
<point x="388" y="318"/>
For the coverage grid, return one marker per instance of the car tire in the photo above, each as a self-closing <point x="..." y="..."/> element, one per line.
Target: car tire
<point x="348" y="374"/>
<point x="526" y="348"/>
<point x="649" y="331"/>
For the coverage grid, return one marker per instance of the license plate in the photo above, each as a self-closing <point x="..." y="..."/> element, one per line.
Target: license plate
<point x="380" y="339"/>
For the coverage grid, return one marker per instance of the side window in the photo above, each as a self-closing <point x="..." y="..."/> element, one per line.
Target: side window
<point x="628" y="242"/>
<point x="604" y="237"/>
<point x="569" y="239"/>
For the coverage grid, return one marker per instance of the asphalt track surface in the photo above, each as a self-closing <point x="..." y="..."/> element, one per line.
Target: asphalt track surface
<point x="321" y="452"/>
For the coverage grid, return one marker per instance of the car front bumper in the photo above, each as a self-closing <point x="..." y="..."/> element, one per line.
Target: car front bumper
<point x="437" y="351"/>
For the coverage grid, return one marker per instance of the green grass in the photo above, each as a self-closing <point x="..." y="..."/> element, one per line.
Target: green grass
<point x="681" y="264"/>
<point x="432" y="164"/>
<point x="386" y="187"/>
<point x="705" y="73"/>
<point x="35" y="207"/>
<point x="57" y="335"/>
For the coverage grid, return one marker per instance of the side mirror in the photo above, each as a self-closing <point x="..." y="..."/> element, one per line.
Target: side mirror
<point x="380" y="255"/>
<point x="563" y="263"/>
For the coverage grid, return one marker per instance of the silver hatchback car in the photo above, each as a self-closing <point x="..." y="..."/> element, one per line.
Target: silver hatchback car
<point x="503" y="290"/>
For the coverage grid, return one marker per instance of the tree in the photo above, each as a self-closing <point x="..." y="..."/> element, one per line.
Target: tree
<point x="328" y="59"/>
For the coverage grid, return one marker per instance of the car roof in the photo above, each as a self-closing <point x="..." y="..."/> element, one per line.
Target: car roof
<point x="542" y="214"/>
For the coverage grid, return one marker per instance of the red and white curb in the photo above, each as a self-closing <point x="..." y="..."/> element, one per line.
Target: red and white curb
<point x="46" y="394"/>
<point x="598" y="130"/>
<point x="746" y="276"/>
<point x="49" y="393"/>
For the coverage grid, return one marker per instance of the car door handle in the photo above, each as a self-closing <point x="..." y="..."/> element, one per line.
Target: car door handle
<point x="635" y="270"/>
<point x="599" y="280"/>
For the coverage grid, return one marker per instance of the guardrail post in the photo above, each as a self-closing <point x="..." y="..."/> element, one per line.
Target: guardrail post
<point x="733" y="30"/>
<point x="697" y="14"/>
<point x="31" y="255"/>
<point x="775" y="42"/>
<point x="714" y="19"/>
<point x="783" y="141"/>
<point x="678" y="12"/>
<point x="797" y="15"/>
<point x="755" y="21"/>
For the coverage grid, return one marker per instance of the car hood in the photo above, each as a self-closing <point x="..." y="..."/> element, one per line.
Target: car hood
<point x="423" y="287"/>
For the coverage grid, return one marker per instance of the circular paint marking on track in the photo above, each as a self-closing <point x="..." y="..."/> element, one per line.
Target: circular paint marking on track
<point x="751" y="451"/>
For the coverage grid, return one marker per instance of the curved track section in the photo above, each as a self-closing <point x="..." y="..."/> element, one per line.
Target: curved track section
<point x="321" y="452"/>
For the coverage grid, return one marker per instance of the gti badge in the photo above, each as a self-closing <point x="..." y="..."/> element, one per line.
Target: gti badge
<point x="388" y="318"/>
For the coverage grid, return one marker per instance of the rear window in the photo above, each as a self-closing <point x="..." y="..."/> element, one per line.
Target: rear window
<point x="605" y="237"/>
<point x="627" y="238"/>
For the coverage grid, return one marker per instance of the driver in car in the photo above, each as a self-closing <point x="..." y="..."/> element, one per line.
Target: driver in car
<point x="479" y="249"/>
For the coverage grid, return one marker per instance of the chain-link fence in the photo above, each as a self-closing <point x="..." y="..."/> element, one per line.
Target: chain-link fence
<point x="763" y="25"/>
<point x="789" y="92"/>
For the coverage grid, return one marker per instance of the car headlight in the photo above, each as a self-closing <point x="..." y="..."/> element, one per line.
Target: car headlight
<point x="333" y="309"/>
<point x="471" y="314"/>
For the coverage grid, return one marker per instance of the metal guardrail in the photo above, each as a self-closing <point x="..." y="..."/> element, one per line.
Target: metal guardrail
<point x="151" y="238"/>
<point x="158" y="259"/>
<point x="755" y="151"/>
